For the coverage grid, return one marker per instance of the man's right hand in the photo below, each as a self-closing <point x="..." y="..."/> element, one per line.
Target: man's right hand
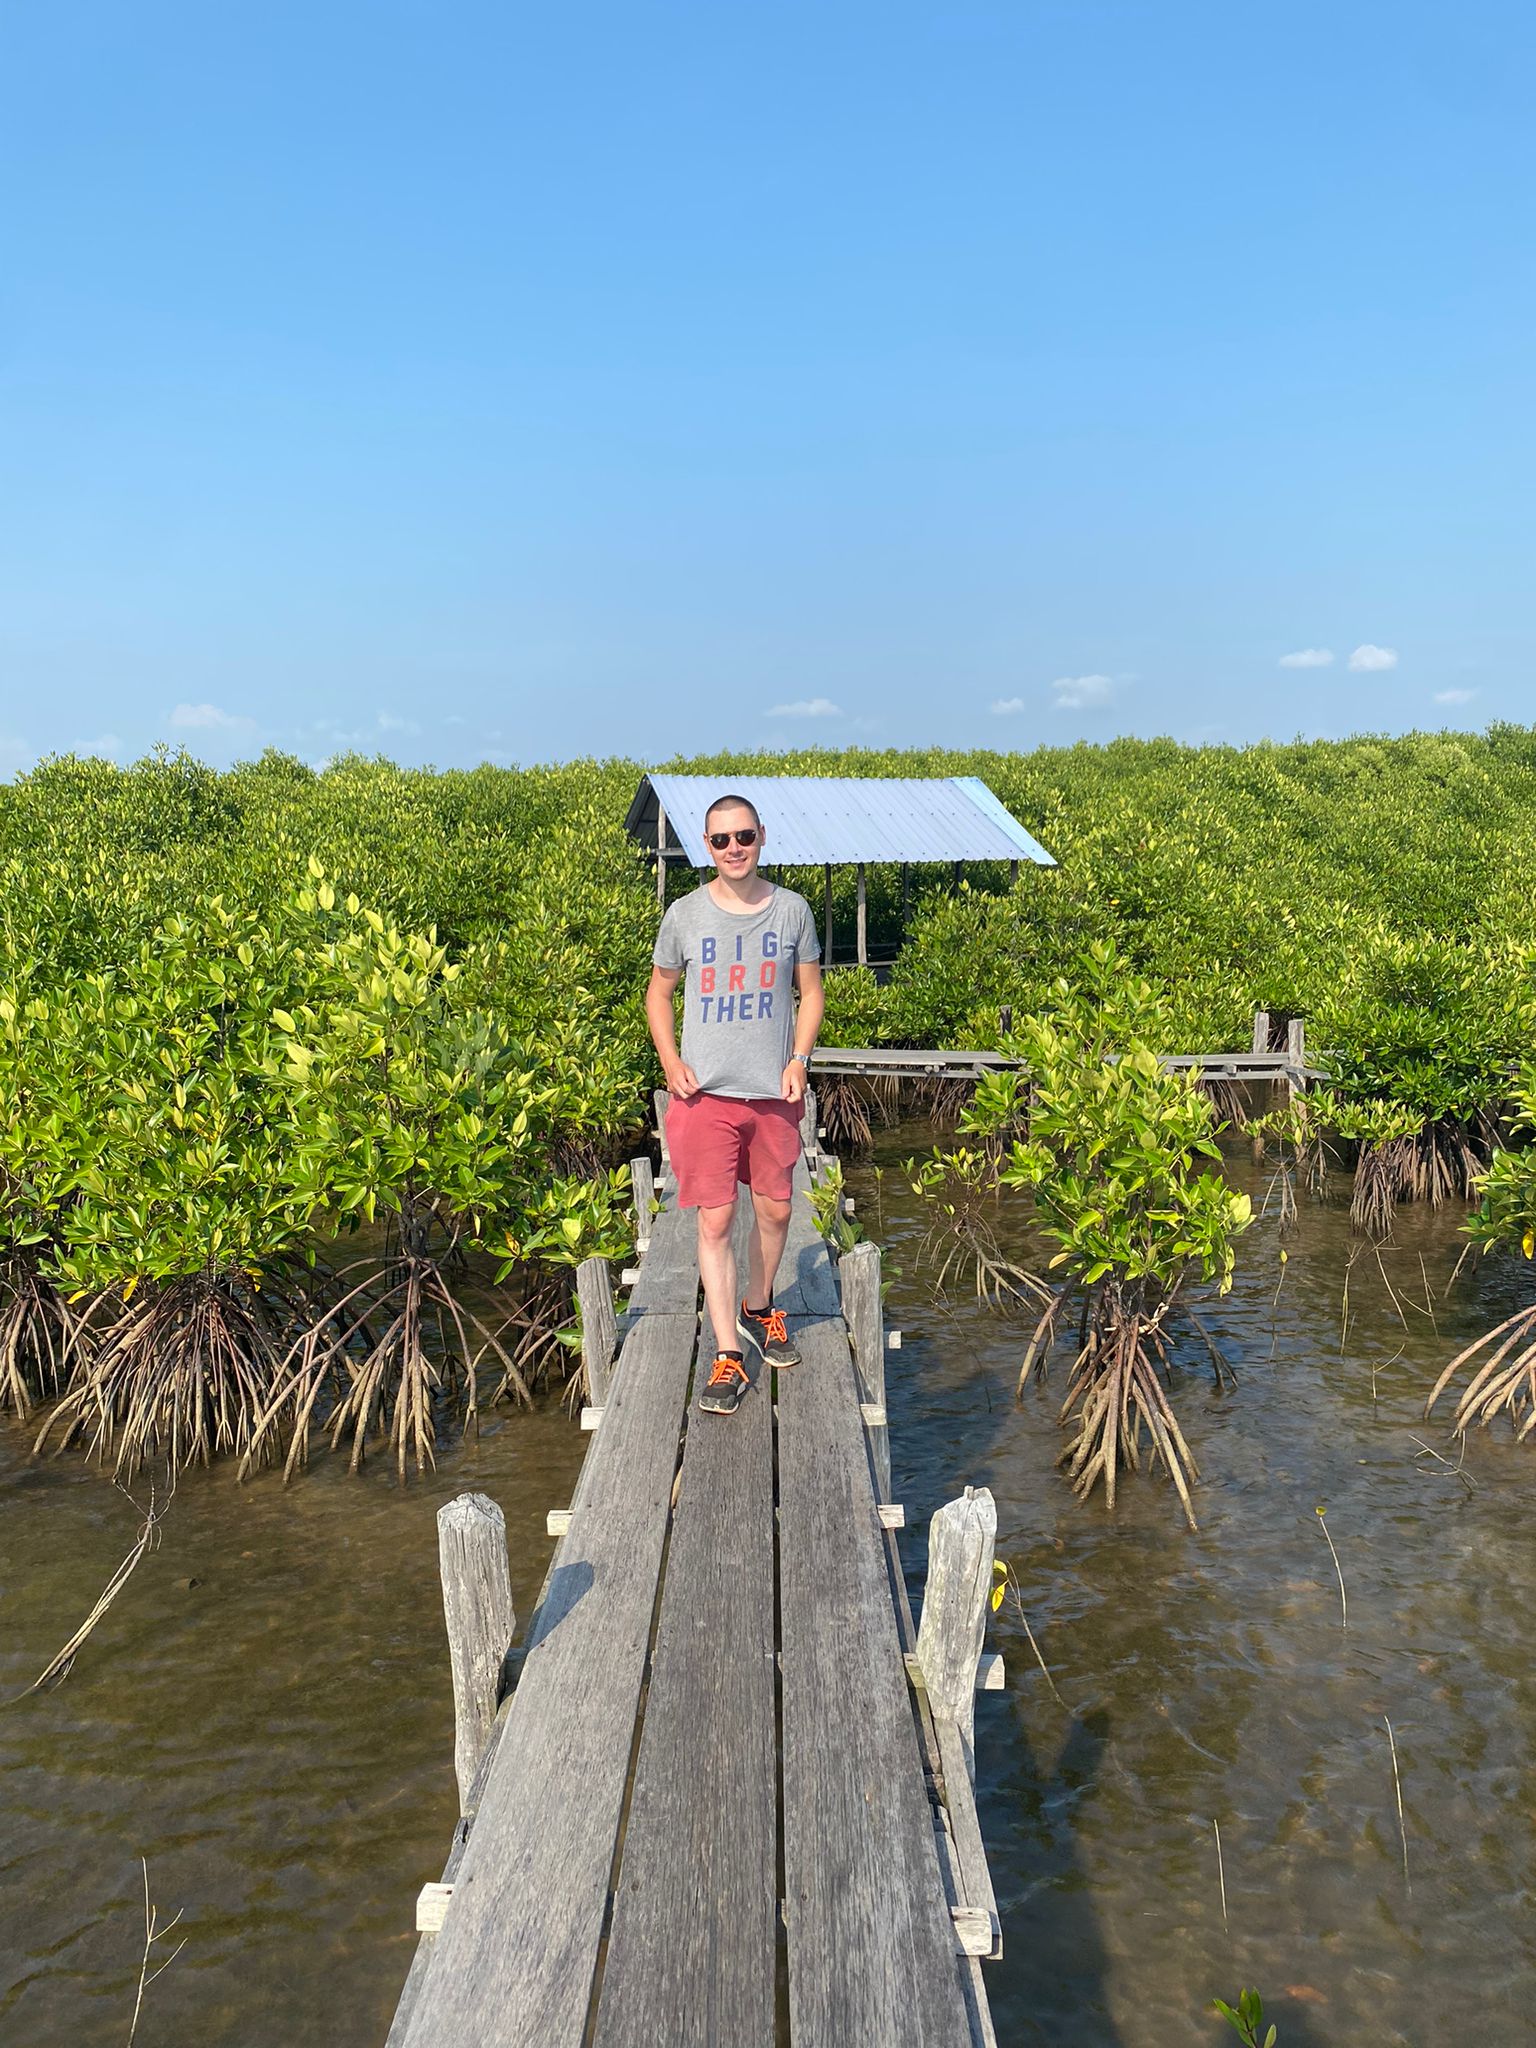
<point x="682" y="1081"/>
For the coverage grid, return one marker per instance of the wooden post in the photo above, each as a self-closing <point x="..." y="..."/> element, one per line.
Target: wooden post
<point x="661" y="854"/>
<point x="961" y="1538"/>
<point x="643" y="1180"/>
<point x="957" y="873"/>
<point x="477" y="1606"/>
<point x="599" y="1326"/>
<point x="863" y="919"/>
<point x="661" y="1101"/>
<point x="1261" y="1031"/>
<point x="858" y="1273"/>
<point x="906" y="893"/>
<point x="1013" y="874"/>
<point x="826" y="936"/>
<point x="808" y="1144"/>
<point x="1296" y="1055"/>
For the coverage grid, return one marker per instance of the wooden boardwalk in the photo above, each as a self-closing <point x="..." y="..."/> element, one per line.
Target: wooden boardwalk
<point x="725" y="1805"/>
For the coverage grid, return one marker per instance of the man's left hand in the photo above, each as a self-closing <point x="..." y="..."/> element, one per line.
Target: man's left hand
<point x="794" y="1082"/>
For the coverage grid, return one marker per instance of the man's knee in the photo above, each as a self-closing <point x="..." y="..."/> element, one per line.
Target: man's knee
<point x="715" y="1224"/>
<point x="771" y="1208"/>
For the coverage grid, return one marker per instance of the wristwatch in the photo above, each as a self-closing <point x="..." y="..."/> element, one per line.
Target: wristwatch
<point x="804" y="1058"/>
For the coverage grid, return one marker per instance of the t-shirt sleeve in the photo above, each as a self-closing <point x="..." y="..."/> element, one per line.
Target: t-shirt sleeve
<point x="668" y="952"/>
<point x="808" y="945"/>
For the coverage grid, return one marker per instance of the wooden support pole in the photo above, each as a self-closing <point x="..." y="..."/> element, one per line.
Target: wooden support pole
<point x="953" y="1628"/>
<point x="958" y="866"/>
<point x="661" y="854"/>
<point x="906" y="893"/>
<point x="1296" y="1041"/>
<point x="1261" y="1031"/>
<point x="858" y="1273"/>
<point x="477" y="1606"/>
<point x="662" y="1101"/>
<point x="599" y="1326"/>
<point x="1013" y="874"/>
<point x="808" y="1124"/>
<point x="826" y="935"/>
<point x="863" y="918"/>
<point x="642" y="1179"/>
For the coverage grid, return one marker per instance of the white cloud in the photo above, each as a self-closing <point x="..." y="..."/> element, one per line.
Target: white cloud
<point x="1005" y="707"/>
<point x="391" y="721"/>
<point x="106" y="746"/>
<point x="209" y="718"/>
<point x="807" y="707"/>
<point x="1366" y="659"/>
<point x="15" y="755"/>
<point x="1081" y="693"/>
<point x="1308" y="657"/>
<point x="1454" y="696"/>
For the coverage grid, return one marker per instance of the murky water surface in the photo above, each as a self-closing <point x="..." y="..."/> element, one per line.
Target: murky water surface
<point x="265" y="1715"/>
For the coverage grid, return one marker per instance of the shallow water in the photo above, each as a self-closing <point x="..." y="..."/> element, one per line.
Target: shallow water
<point x="1209" y="1679"/>
<point x="266" y="1714"/>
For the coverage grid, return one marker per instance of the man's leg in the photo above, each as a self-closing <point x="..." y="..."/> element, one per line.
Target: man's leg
<point x="770" y="1227"/>
<point x="717" y="1269"/>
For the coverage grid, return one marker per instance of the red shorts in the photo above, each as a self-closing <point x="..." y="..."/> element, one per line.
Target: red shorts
<point x="716" y="1142"/>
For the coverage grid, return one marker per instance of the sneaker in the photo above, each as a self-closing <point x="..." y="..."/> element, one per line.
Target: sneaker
<point x="770" y="1333"/>
<point x="726" y="1385"/>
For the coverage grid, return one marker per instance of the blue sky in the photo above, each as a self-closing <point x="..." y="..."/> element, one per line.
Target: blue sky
<point x="482" y="383"/>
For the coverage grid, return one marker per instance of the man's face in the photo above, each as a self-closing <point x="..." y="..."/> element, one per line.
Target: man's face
<point x="733" y="861"/>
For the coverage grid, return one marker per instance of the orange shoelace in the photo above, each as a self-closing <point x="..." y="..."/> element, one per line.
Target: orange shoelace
<point x="724" y="1370"/>
<point x="775" y="1329"/>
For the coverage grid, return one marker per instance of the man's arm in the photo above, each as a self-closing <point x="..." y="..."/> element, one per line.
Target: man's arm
<point x="659" y="1016"/>
<point x="808" y="1015"/>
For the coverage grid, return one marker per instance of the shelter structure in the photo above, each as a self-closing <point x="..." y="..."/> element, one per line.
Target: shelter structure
<point x="838" y="821"/>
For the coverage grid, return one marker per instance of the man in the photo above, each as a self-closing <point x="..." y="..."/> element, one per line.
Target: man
<point x="747" y="948"/>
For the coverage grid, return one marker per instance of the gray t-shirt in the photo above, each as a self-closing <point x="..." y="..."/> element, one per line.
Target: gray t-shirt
<point x="739" y="987"/>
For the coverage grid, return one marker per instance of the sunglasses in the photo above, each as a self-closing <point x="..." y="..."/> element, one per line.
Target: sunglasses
<point x="747" y="836"/>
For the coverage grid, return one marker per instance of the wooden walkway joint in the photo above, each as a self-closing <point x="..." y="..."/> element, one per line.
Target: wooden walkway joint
<point x="728" y="1803"/>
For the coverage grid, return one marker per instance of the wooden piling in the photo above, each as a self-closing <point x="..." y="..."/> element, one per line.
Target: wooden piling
<point x="858" y="1273"/>
<point x="953" y="1627"/>
<point x="826" y="935"/>
<point x="477" y="1607"/>
<point x="642" y="1180"/>
<point x="599" y="1326"/>
<point x="863" y="917"/>
<point x="661" y="853"/>
<point x="1261" y="1031"/>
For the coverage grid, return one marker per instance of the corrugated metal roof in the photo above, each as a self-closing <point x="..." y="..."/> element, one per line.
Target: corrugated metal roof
<point x="811" y="820"/>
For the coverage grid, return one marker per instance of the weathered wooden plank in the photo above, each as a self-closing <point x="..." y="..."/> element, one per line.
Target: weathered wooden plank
<point x="599" y="1326"/>
<point x="858" y="1276"/>
<point x="691" y="1958"/>
<point x="669" y="1272"/>
<point x="642" y="1178"/>
<point x="416" y="1976"/>
<point x="972" y="1984"/>
<point x="807" y="1282"/>
<point x="514" y="1963"/>
<point x="477" y="1608"/>
<point x="871" y="1946"/>
<point x="953" y="1629"/>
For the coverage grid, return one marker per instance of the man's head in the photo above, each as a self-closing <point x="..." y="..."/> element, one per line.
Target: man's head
<point x="733" y="833"/>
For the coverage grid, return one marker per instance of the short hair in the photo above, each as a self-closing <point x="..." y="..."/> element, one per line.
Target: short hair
<point x="721" y="802"/>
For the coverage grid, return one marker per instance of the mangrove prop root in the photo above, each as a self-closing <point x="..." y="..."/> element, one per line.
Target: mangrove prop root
<point x="1504" y="1381"/>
